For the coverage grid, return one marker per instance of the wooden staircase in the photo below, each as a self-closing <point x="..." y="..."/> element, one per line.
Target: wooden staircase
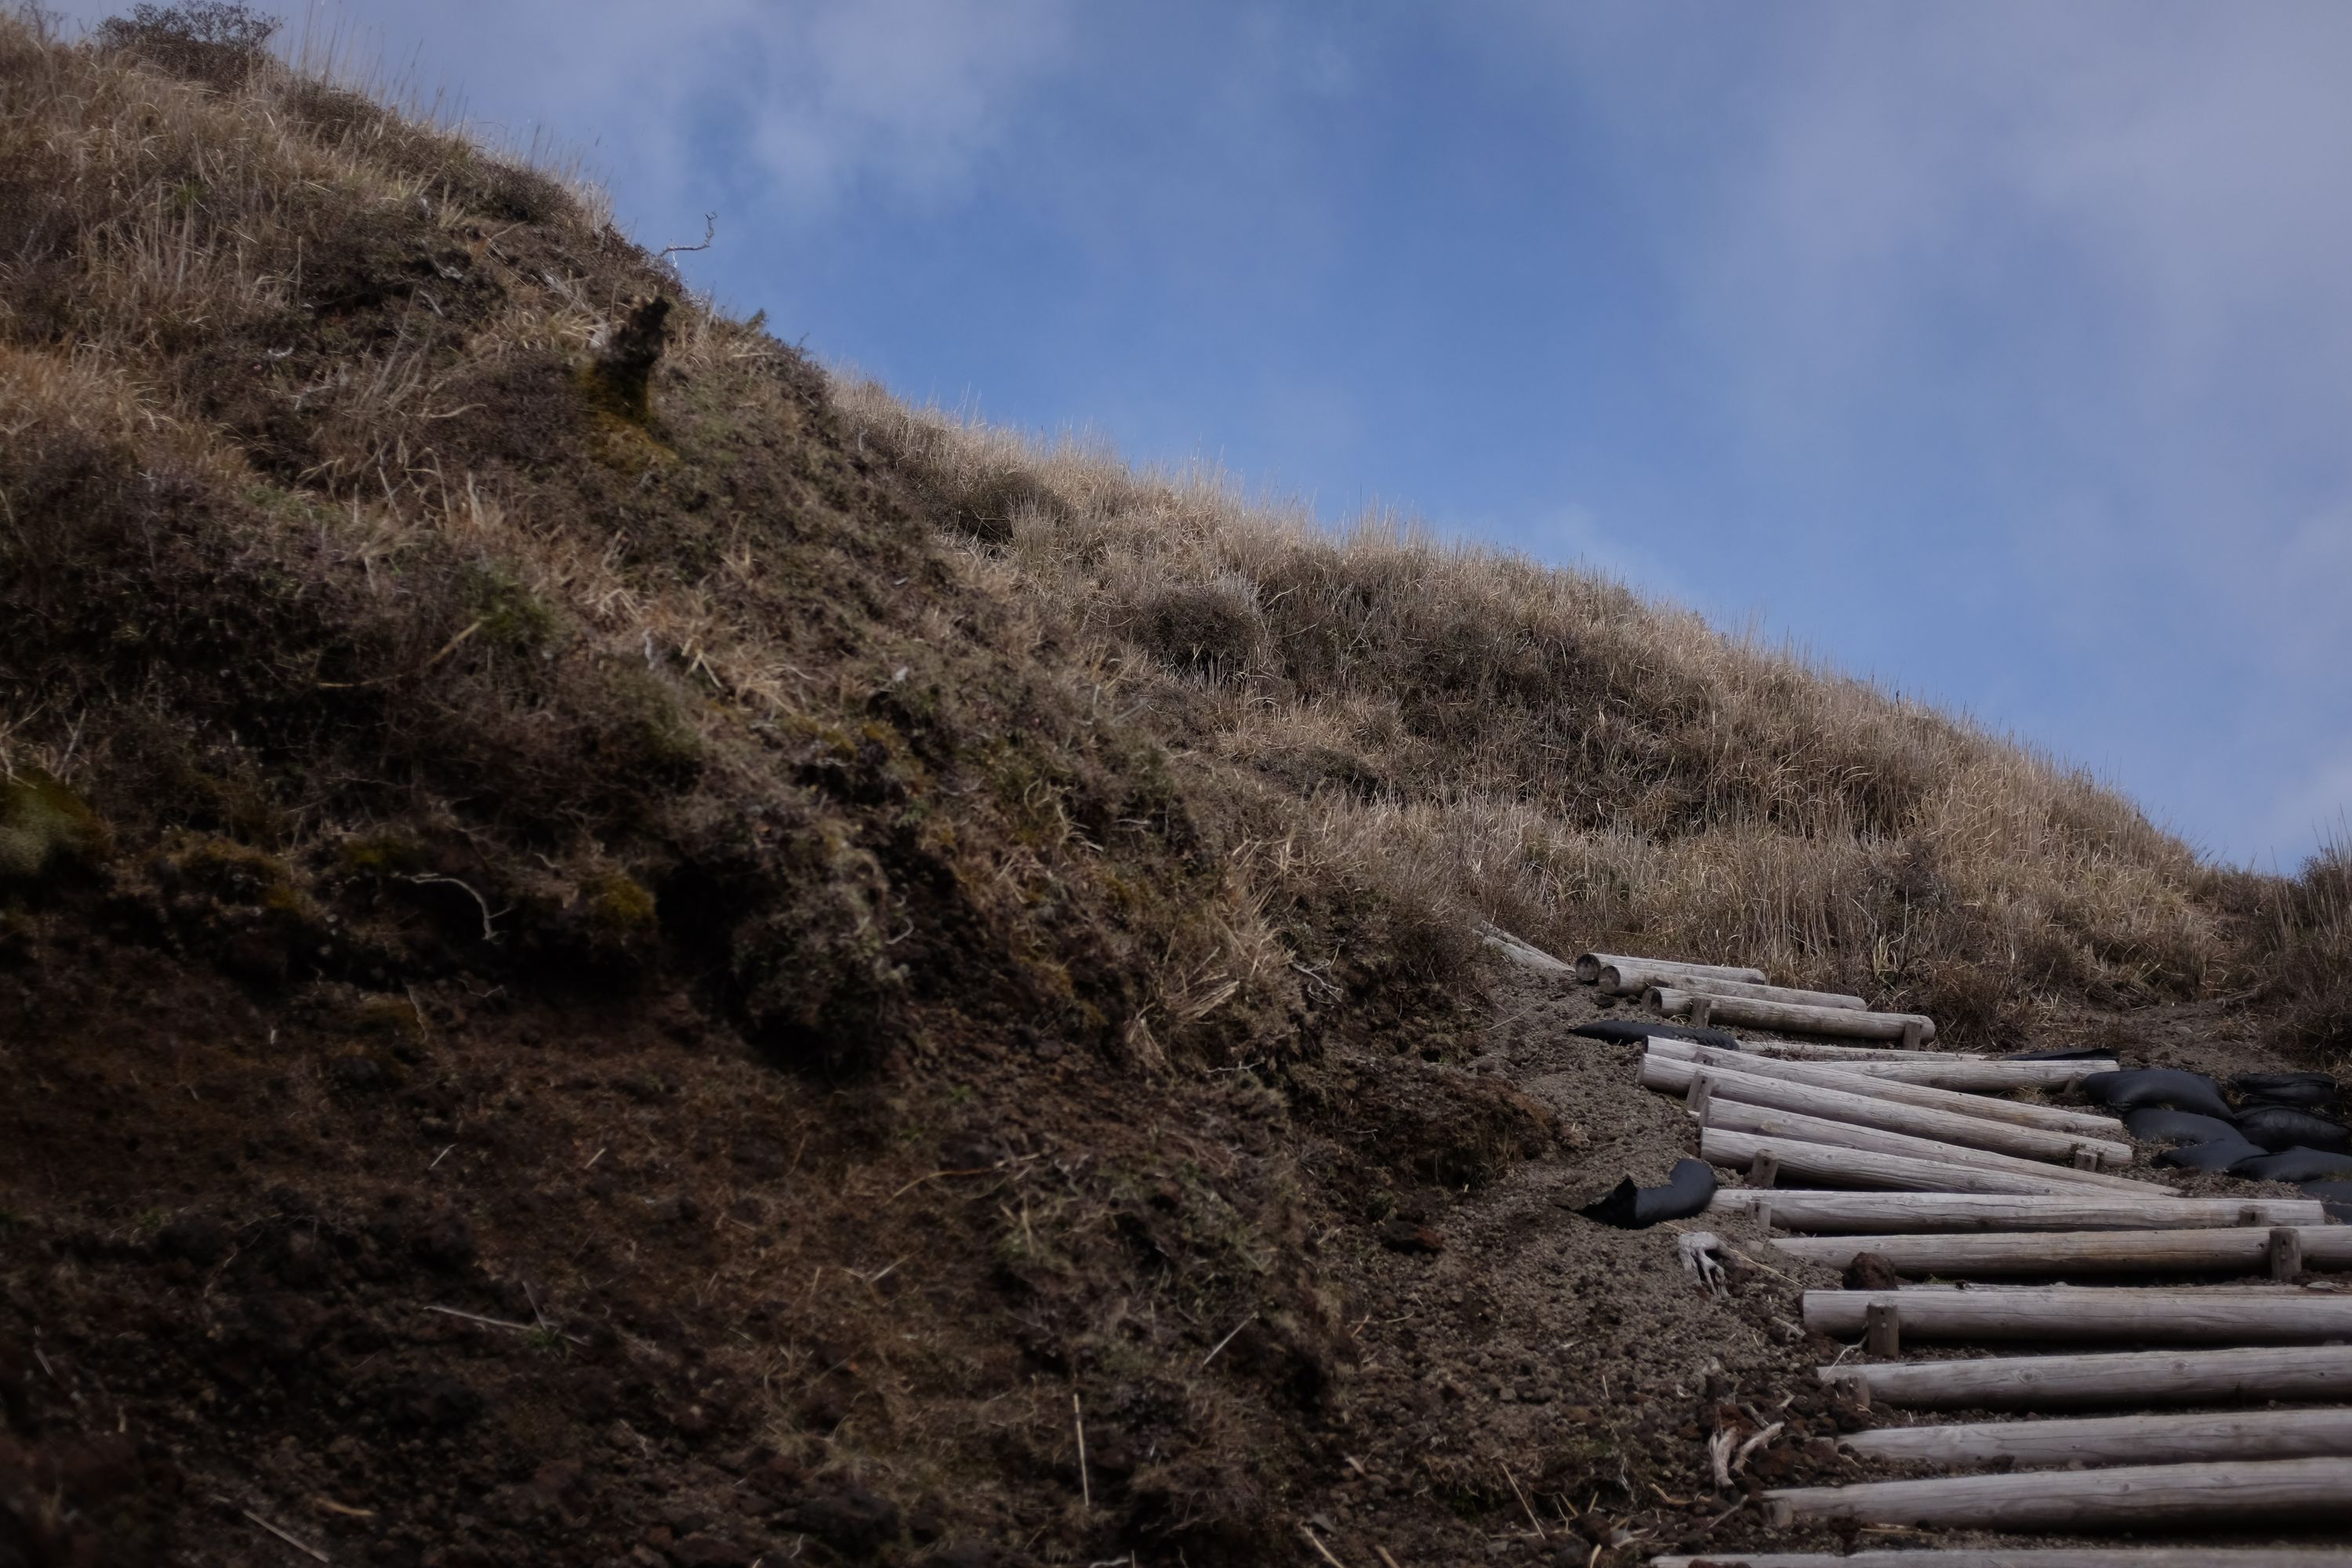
<point x="1920" y="1160"/>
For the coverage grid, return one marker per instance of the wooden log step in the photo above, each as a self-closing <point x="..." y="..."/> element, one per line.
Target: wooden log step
<point x="1842" y="1166"/>
<point x="1734" y="1116"/>
<point x="1983" y="1076"/>
<point x="1661" y="1072"/>
<point x="1638" y="979"/>
<point x="2091" y="1312"/>
<point x="1832" y="1075"/>
<point x="2171" y="1439"/>
<point x="2112" y="1379"/>
<point x="1588" y="966"/>
<point x="1821" y="1051"/>
<point x="2239" y="1248"/>
<point x="2029" y="1557"/>
<point x="1878" y="1212"/>
<point x="1844" y="1023"/>
<point x="2135" y="1497"/>
<point x="1526" y="954"/>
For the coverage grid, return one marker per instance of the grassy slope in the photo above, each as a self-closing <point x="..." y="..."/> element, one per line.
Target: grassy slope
<point x="849" y="796"/>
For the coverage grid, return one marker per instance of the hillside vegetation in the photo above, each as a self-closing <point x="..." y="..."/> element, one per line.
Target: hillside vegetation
<point x="887" y="924"/>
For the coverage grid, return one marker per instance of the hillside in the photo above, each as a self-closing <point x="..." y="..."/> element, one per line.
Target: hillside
<point x="612" y="949"/>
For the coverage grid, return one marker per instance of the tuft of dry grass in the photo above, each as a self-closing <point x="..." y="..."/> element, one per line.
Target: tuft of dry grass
<point x="1470" y="731"/>
<point x="2304" y="930"/>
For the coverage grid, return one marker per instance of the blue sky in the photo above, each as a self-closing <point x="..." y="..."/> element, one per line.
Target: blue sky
<point x="2000" y="351"/>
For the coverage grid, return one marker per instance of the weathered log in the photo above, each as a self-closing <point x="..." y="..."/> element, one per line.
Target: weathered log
<point x="1875" y="1214"/>
<point x="1828" y="1055"/>
<point x="2152" y="1314"/>
<point x="1948" y="1069"/>
<point x="2243" y="1249"/>
<point x="1639" y="979"/>
<point x="1734" y="1116"/>
<point x="2131" y="1497"/>
<point x="1985" y="1077"/>
<point x="2170" y="1439"/>
<point x="1588" y="966"/>
<point x="1857" y="1167"/>
<point x="1843" y="1022"/>
<point x="1526" y="954"/>
<point x="2111" y="1379"/>
<point x="1834" y="1075"/>
<point x="2028" y="1557"/>
<point x="1869" y="1111"/>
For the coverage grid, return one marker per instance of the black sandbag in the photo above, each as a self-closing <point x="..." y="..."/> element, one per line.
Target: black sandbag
<point x="2222" y="1154"/>
<point x="2088" y="1054"/>
<point x="1689" y="1188"/>
<point x="2296" y="1165"/>
<point x="1633" y="1032"/>
<point x="2285" y="1127"/>
<point x="2307" y="1089"/>
<point x="2336" y="1196"/>
<point x="2134" y="1088"/>
<point x="2156" y="1125"/>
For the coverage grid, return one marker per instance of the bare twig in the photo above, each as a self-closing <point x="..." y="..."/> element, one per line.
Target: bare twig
<point x="477" y="1318"/>
<point x="538" y="1328"/>
<point x="710" y="229"/>
<point x="938" y="1175"/>
<point x="1541" y="1533"/>
<point x="302" y="1546"/>
<point x="490" y="930"/>
<point x="1758" y="1441"/>
<point x="452" y="646"/>
<point x="1321" y="1549"/>
<point x="1726" y="1513"/>
<point x="1222" y="1343"/>
<point x="1078" y="1418"/>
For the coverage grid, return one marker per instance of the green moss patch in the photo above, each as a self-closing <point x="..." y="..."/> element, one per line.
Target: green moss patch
<point x="45" y="825"/>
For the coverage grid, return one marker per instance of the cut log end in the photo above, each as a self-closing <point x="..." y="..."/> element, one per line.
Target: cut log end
<point x="2285" y="1252"/>
<point x="1883" y="1330"/>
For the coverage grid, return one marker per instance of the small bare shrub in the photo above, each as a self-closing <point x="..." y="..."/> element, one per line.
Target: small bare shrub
<point x="219" y="43"/>
<point x="1207" y="629"/>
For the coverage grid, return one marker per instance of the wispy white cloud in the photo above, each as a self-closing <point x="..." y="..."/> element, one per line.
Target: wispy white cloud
<point x="2094" y="251"/>
<point x="804" y="98"/>
<point x="1574" y="534"/>
<point x="907" y="92"/>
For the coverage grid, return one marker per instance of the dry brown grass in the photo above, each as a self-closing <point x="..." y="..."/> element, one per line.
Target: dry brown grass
<point x="2304" y="933"/>
<point x="361" y="340"/>
<point x="1472" y="731"/>
<point x="319" y="523"/>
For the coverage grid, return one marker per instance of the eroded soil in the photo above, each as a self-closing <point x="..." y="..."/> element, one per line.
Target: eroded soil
<point x="446" y="1279"/>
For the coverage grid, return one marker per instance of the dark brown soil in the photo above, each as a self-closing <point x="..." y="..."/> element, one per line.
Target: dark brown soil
<point x="460" y="1278"/>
